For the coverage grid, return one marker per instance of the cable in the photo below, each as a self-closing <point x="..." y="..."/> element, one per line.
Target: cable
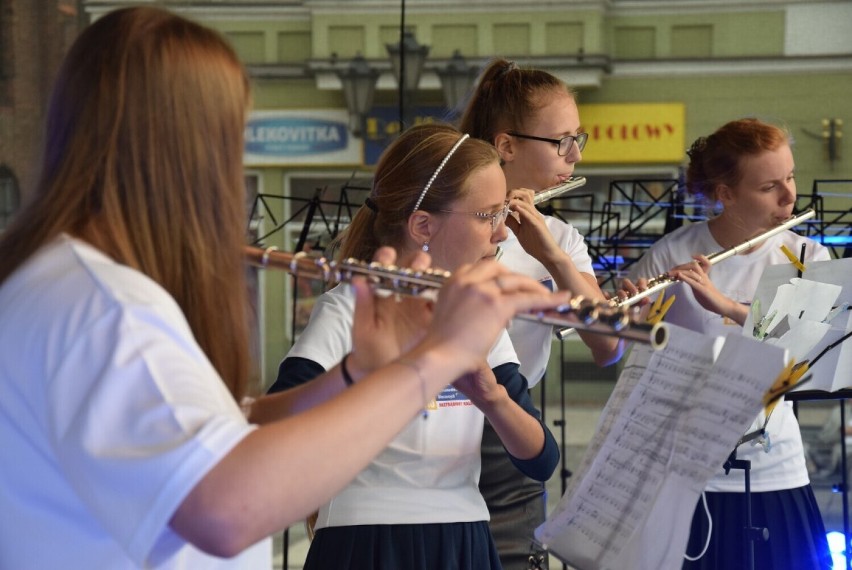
<point x="709" y="530"/>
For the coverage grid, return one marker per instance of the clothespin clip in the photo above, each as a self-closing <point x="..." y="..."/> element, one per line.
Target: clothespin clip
<point x="793" y="259"/>
<point x="790" y="378"/>
<point x="760" y="323"/>
<point x="659" y="308"/>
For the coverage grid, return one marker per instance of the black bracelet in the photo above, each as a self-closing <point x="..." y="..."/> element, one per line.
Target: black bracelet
<point x="346" y="376"/>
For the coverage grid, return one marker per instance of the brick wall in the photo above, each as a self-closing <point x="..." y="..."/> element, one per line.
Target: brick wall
<point x="34" y="36"/>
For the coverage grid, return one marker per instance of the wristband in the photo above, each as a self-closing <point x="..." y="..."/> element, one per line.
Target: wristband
<point x="347" y="378"/>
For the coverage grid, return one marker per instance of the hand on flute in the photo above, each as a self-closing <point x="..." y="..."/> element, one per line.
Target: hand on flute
<point x="529" y="226"/>
<point x="474" y="305"/>
<point x="696" y="274"/>
<point x="629" y="289"/>
<point x="385" y="327"/>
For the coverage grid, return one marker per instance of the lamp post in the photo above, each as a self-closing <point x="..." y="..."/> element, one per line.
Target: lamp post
<point x="407" y="59"/>
<point x="359" y="84"/>
<point x="457" y="78"/>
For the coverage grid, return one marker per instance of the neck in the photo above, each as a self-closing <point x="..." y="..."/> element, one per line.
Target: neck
<point x="730" y="230"/>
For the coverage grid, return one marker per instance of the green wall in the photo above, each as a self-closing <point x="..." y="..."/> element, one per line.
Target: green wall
<point x="689" y="40"/>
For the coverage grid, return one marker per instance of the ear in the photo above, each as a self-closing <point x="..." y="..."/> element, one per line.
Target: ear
<point x="505" y="146"/>
<point x="421" y="227"/>
<point x="725" y="194"/>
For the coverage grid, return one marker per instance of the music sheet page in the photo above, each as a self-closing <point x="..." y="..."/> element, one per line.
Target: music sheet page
<point x="808" y="314"/>
<point x="674" y="417"/>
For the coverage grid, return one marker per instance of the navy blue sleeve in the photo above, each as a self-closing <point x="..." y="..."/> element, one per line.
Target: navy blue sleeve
<point x="293" y="372"/>
<point x="544" y="464"/>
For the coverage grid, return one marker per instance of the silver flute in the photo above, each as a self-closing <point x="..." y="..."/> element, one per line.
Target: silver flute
<point x="664" y="280"/>
<point x="583" y="314"/>
<point x="559" y="189"/>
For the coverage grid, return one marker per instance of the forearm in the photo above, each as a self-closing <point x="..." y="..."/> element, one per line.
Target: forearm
<point x="605" y="349"/>
<point x="298" y="399"/>
<point x="286" y="469"/>
<point x="735" y="311"/>
<point x="521" y="434"/>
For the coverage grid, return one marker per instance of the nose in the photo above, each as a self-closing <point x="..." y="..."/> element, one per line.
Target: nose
<point x="788" y="193"/>
<point x="501" y="233"/>
<point x="574" y="155"/>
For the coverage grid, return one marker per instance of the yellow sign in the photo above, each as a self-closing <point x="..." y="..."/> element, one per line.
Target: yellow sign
<point x="634" y="132"/>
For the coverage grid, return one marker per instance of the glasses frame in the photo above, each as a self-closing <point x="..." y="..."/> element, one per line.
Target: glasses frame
<point x="580" y="139"/>
<point x="496" y="218"/>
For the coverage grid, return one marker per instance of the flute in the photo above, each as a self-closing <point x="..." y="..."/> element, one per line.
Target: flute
<point x="583" y="314"/>
<point x="664" y="280"/>
<point x="559" y="189"/>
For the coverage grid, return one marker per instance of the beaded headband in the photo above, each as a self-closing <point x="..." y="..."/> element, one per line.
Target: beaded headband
<point x="438" y="171"/>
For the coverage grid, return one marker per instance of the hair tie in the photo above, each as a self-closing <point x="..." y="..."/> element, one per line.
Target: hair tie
<point x="697" y="147"/>
<point x="372" y="205"/>
<point x="438" y="171"/>
<point x="505" y="71"/>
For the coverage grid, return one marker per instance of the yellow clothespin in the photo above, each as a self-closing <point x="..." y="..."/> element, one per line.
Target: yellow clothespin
<point x="793" y="259"/>
<point x="659" y="308"/>
<point x="785" y="382"/>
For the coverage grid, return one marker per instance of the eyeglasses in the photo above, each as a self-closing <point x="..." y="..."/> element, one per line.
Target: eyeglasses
<point x="496" y="218"/>
<point x="563" y="145"/>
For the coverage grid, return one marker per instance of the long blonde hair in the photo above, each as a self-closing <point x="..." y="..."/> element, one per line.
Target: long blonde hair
<point x="143" y="158"/>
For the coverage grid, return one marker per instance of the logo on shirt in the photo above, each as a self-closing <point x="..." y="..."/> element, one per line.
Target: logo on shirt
<point x="450" y="397"/>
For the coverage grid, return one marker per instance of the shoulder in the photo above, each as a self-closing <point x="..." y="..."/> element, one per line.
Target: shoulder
<point x="327" y="336"/>
<point x="814" y="251"/>
<point x="562" y="231"/>
<point x="70" y="281"/>
<point x="671" y="249"/>
<point x="338" y="302"/>
<point x="503" y="351"/>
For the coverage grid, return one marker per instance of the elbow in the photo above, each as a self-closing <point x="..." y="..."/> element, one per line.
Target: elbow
<point x="541" y="467"/>
<point x="224" y="543"/>
<point x="609" y="355"/>
<point x="214" y="529"/>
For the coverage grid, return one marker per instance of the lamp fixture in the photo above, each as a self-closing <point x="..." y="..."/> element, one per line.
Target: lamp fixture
<point x="359" y="84"/>
<point x="457" y="78"/>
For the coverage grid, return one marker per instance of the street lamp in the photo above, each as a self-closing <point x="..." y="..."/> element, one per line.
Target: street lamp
<point x="359" y="85"/>
<point x="457" y="78"/>
<point x="407" y="59"/>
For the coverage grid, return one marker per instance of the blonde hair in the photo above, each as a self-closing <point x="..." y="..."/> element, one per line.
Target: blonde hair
<point x="143" y="158"/>
<point x="403" y="171"/>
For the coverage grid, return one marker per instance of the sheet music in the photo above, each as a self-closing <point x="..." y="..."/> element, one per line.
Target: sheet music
<point x="801" y="306"/>
<point x="673" y="419"/>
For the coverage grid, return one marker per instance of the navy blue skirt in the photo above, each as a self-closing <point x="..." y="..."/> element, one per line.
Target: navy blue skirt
<point x="444" y="546"/>
<point x="796" y="532"/>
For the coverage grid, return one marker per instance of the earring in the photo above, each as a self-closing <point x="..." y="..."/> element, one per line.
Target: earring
<point x="426" y="246"/>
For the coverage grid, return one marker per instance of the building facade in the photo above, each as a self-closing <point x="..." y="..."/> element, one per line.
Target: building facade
<point x="651" y="76"/>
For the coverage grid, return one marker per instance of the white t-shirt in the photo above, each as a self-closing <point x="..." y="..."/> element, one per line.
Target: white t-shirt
<point x="532" y="340"/>
<point x="109" y="416"/>
<point x="430" y="472"/>
<point x="783" y="466"/>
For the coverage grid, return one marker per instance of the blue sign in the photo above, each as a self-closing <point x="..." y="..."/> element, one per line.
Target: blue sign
<point x="382" y="126"/>
<point x="294" y="136"/>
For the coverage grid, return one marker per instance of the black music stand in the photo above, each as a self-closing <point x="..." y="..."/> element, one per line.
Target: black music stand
<point x="752" y="533"/>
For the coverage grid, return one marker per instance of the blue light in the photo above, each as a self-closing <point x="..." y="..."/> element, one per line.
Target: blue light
<point x="836" y="543"/>
<point x="837" y="546"/>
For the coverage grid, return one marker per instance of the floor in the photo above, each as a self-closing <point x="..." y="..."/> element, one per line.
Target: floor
<point x="582" y="410"/>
